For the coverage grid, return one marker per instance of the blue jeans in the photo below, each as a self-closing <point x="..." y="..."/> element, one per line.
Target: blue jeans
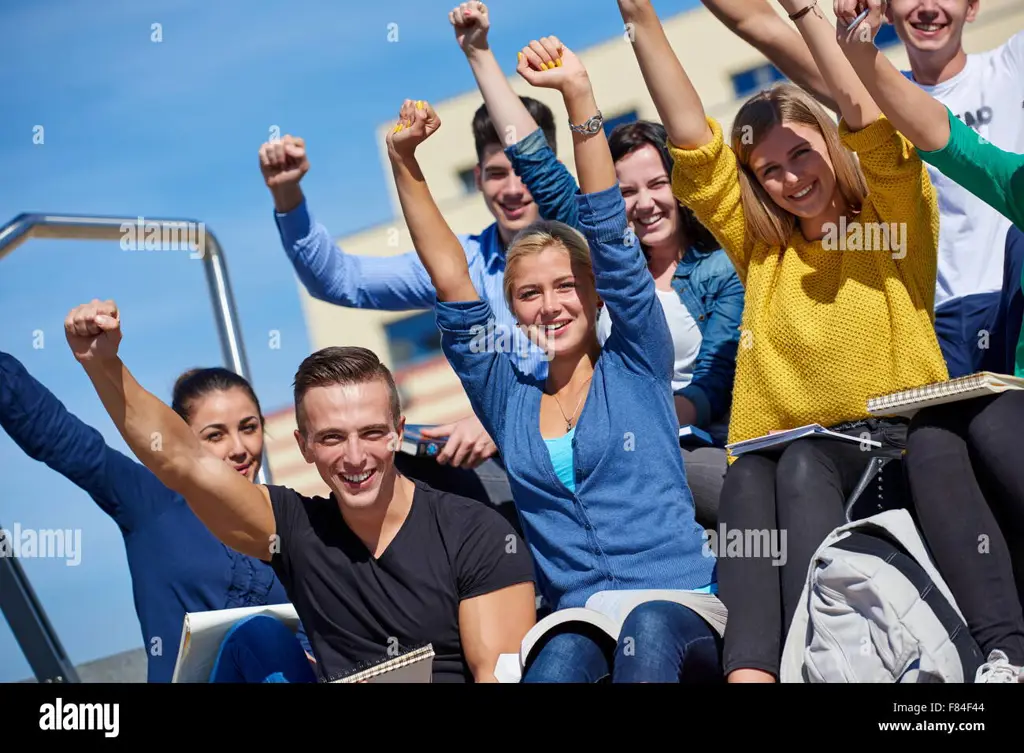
<point x="660" y="641"/>
<point x="260" y="649"/>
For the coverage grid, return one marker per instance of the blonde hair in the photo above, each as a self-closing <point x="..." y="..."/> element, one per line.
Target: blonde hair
<point x="539" y="236"/>
<point x="767" y="221"/>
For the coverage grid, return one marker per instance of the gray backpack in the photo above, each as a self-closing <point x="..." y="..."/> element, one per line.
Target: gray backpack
<point x="874" y="609"/>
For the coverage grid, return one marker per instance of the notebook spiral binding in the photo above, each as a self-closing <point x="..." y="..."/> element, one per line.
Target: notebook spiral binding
<point x="942" y="389"/>
<point x="369" y="669"/>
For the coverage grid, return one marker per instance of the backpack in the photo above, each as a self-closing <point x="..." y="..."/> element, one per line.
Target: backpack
<point x="874" y="609"/>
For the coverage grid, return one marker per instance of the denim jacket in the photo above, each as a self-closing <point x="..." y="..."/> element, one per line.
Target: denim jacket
<point x="705" y="281"/>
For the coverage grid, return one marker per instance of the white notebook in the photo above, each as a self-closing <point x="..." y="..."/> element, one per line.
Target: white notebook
<point x="907" y="402"/>
<point x="779" y="438"/>
<point x="414" y="666"/>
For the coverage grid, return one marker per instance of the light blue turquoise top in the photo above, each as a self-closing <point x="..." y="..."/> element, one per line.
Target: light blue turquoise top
<point x="560" y="450"/>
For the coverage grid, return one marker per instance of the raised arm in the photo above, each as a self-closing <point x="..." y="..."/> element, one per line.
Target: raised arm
<point x="640" y="334"/>
<point x="384" y="283"/>
<point x="551" y="185"/>
<point x="757" y="24"/>
<point x="855" y="103"/>
<point x="48" y="432"/>
<point x="677" y="102"/>
<point x="236" y="511"/>
<point x="913" y="112"/>
<point x="437" y="246"/>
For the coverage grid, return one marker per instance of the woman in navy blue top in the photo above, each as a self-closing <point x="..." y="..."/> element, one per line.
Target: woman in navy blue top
<point x="592" y="452"/>
<point x="176" y="564"/>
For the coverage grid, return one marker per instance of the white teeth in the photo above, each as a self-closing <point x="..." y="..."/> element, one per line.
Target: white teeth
<point x="927" y="27"/>
<point x="357" y="479"/>
<point x="804" y="192"/>
<point x="649" y="220"/>
<point x="554" y="327"/>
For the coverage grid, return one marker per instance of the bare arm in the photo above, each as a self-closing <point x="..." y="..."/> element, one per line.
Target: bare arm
<point x="677" y="102"/>
<point x="912" y="111"/>
<point x="762" y="28"/>
<point x="855" y="103"/>
<point x="511" y="119"/>
<point x="495" y="623"/>
<point x="438" y="247"/>
<point x="235" y="510"/>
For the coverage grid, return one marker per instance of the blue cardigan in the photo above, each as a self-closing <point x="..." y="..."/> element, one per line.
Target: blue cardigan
<point x="176" y="564"/>
<point x="630" y="523"/>
<point x="705" y="281"/>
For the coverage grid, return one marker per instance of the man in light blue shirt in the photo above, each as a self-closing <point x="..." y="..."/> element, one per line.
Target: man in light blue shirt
<point x="400" y="283"/>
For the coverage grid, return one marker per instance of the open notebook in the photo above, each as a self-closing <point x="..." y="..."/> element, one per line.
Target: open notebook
<point x="203" y="632"/>
<point x="778" y="438"/>
<point x="607" y="610"/>
<point x="908" y="402"/>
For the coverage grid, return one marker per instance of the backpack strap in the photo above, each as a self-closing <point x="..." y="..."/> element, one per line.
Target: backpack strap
<point x="879" y="543"/>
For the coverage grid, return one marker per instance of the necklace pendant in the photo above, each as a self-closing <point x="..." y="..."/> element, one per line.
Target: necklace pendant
<point x="568" y="425"/>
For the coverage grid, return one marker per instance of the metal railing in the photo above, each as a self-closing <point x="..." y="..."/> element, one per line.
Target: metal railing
<point x="24" y="613"/>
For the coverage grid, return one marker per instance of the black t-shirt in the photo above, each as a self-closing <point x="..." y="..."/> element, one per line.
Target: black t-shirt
<point x="356" y="608"/>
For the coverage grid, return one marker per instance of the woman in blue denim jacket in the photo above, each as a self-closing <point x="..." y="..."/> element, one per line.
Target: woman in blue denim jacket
<point x="697" y="285"/>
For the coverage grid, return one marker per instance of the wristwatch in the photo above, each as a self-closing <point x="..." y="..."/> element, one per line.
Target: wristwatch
<point x="592" y="126"/>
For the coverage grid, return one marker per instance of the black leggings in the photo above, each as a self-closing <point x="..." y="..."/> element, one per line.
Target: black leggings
<point x="966" y="474"/>
<point x="798" y="497"/>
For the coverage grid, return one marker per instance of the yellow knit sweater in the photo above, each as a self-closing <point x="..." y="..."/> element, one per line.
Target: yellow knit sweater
<point x="824" y="330"/>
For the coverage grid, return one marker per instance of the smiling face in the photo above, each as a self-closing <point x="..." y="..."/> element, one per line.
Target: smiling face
<point x="646" y="187"/>
<point x="792" y="164"/>
<point x="349" y="433"/>
<point x="227" y="422"/>
<point x="554" y="298"/>
<point x="504" y="193"/>
<point x="932" y="25"/>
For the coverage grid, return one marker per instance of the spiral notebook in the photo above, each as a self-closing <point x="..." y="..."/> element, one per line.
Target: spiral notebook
<point x="414" y="666"/>
<point x="907" y="402"/>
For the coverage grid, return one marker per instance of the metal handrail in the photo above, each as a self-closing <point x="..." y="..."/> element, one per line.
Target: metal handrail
<point x="26" y="616"/>
<point x="95" y="227"/>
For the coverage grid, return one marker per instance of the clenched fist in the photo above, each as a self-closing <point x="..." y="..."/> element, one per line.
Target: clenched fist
<point x="283" y="161"/>
<point x="869" y="15"/>
<point x="549" y="64"/>
<point x="416" y="122"/>
<point x="93" y="331"/>
<point x="471" y="22"/>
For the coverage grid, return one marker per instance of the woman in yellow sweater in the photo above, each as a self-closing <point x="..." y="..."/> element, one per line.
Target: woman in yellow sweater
<point x="839" y="265"/>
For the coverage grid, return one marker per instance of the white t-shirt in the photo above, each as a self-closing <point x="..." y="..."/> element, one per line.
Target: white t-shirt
<point x="988" y="95"/>
<point x="686" y="337"/>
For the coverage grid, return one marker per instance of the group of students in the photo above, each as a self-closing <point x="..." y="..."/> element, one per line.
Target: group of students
<point x="687" y="279"/>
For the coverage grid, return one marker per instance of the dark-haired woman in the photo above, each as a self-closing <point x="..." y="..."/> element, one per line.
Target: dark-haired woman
<point x="176" y="564"/>
<point x="700" y="293"/>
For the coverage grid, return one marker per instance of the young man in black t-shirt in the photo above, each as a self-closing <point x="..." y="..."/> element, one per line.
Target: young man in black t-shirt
<point x="384" y="564"/>
<point x="387" y="563"/>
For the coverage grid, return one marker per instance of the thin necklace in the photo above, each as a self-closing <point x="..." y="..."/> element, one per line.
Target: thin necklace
<point x="569" y="419"/>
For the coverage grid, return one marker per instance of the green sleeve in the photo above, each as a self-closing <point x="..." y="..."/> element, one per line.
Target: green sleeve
<point x="992" y="174"/>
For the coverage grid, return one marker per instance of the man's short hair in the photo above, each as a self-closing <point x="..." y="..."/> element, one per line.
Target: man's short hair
<point x="484" y="133"/>
<point x="342" y="365"/>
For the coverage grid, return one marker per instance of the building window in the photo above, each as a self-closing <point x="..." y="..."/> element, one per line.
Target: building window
<point x="610" y="123"/>
<point x="413" y="339"/>
<point x="756" y="79"/>
<point x="468" y="179"/>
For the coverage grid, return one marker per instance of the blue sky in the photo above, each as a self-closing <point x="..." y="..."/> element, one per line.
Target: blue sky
<point x="172" y="128"/>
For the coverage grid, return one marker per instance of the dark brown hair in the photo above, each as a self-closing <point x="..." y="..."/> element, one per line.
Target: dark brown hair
<point x="196" y="384"/>
<point x="627" y="138"/>
<point x="342" y="365"/>
<point x="484" y="133"/>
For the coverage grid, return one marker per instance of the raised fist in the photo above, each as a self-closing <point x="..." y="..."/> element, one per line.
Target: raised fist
<point x="93" y="331"/>
<point x="850" y="11"/>
<point x="471" y="22"/>
<point x="550" y="64"/>
<point x="416" y="122"/>
<point x="283" y="161"/>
